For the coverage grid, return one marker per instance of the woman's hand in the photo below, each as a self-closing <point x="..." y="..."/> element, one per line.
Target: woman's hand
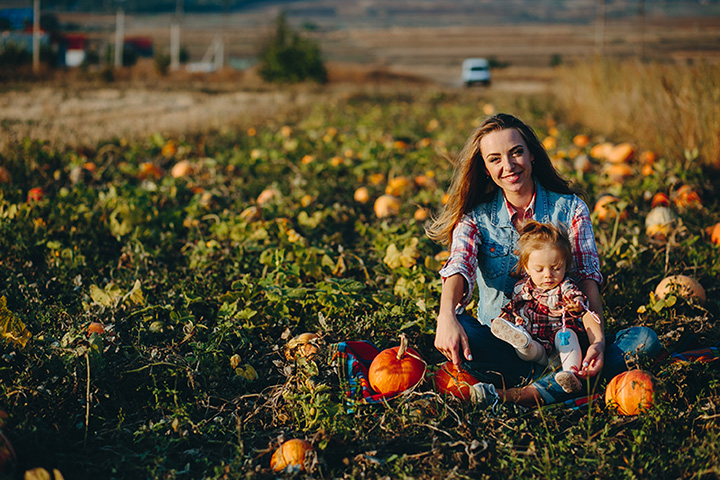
<point x="451" y="339"/>
<point x="593" y="361"/>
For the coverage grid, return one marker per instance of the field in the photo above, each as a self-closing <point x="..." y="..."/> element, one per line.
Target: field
<point x="165" y="239"/>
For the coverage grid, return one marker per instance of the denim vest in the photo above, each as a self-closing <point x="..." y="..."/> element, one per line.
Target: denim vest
<point x="496" y="254"/>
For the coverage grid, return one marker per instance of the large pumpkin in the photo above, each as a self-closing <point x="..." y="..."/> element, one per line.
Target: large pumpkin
<point x="453" y="381"/>
<point x="396" y="369"/>
<point x="290" y="454"/>
<point x="630" y="392"/>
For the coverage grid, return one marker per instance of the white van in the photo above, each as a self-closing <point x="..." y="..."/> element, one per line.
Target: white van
<point x="475" y="70"/>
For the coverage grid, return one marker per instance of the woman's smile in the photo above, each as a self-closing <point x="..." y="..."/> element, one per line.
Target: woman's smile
<point x="508" y="161"/>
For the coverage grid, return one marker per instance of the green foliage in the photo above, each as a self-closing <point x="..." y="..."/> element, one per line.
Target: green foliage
<point x="199" y="288"/>
<point x="288" y="57"/>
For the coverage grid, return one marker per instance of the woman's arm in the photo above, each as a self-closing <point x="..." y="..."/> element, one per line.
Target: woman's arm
<point x="595" y="355"/>
<point x="450" y="337"/>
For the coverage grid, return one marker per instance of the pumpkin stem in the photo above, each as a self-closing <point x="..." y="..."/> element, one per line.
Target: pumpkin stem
<point x="403" y="346"/>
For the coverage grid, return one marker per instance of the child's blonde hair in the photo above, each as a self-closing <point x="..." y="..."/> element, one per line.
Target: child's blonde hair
<point x="535" y="235"/>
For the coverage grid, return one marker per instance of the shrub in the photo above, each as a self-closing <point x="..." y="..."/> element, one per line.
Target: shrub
<point x="288" y="57"/>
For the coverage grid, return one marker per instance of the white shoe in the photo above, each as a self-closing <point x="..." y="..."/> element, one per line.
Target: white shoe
<point x="568" y="381"/>
<point x="508" y="332"/>
<point x="484" y="395"/>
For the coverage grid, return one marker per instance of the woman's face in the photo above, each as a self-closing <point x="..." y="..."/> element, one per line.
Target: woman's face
<point x="507" y="160"/>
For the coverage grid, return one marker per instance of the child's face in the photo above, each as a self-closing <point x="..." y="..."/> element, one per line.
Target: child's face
<point x="546" y="267"/>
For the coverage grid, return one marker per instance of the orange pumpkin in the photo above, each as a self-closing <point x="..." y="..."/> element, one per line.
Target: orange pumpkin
<point x="687" y="197"/>
<point x="421" y="214"/>
<point x="396" y="369"/>
<point x="581" y="140"/>
<point x="453" y="381"/>
<point x="290" y="454"/>
<point x="660" y="199"/>
<point x="386" y="206"/>
<point x="648" y="157"/>
<point x="362" y="195"/>
<point x="681" y="285"/>
<point x="183" y="168"/>
<point x="96" y="327"/>
<point x="630" y="392"/>
<point x="618" y="172"/>
<point x="621" y="153"/>
<point x="715" y="233"/>
<point x="606" y="208"/>
<point x="398" y="186"/>
<point x="35" y="194"/>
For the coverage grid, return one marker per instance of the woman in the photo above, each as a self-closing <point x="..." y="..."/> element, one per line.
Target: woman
<point x="503" y="177"/>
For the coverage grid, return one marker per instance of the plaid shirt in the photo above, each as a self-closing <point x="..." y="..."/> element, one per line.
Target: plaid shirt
<point x="466" y="242"/>
<point x="541" y="311"/>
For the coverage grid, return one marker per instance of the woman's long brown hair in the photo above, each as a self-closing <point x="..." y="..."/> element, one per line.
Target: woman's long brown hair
<point x="471" y="184"/>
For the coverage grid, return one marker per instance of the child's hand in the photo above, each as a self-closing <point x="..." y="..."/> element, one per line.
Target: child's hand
<point x="574" y="306"/>
<point x="593" y="361"/>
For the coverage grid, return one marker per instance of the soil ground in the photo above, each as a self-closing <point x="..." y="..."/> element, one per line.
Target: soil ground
<point x="74" y="108"/>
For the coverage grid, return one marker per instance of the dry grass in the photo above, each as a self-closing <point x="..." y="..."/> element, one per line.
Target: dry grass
<point x="673" y="109"/>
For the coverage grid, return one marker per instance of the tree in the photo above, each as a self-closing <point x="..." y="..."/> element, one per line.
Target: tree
<point x="288" y="57"/>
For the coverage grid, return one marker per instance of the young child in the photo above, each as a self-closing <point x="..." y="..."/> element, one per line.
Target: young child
<point x="547" y="308"/>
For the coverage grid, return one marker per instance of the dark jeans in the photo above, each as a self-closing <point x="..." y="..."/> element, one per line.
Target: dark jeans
<point x="495" y="361"/>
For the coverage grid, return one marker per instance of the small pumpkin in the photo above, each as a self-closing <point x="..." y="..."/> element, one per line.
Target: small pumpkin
<point x="268" y="195"/>
<point x="681" y="285"/>
<point x="421" y="214"/>
<point x="396" y="369"/>
<point x="35" y="194"/>
<point x="714" y="232"/>
<point x="660" y="199"/>
<point x="621" y="153"/>
<point x="660" y="222"/>
<point x="290" y="454"/>
<point x="606" y="208"/>
<point x="581" y="140"/>
<point x="362" y="195"/>
<point x="601" y="150"/>
<point x="618" y="172"/>
<point x="183" y="168"/>
<point x="686" y="197"/>
<point x="96" y="327"/>
<point x="398" y="186"/>
<point x="386" y="206"/>
<point x="648" y="157"/>
<point x="630" y="392"/>
<point x="453" y="381"/>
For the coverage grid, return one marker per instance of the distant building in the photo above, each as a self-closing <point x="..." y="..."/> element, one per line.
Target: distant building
<point x="15" y="18"/>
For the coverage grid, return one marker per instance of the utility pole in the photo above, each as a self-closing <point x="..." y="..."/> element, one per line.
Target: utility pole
<point x="119" y="34"/>
<point x="36" y="37"/>
<point x="175" y="37"/>
<point x="600" y="29"/>
<point x="642" y="30"/>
